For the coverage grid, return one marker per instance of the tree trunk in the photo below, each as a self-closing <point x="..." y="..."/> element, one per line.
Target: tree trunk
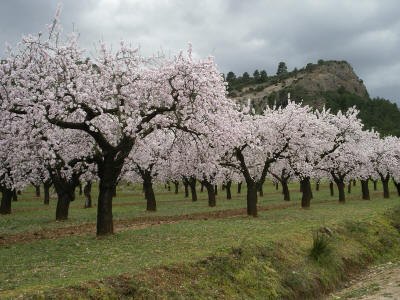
<point x="176" y="184"/>
<point x="252" y="198"/>
<point x="37" y="190"/>
<point x="365" y="189"/>
<point x="6" y="198"/>
<point x="186" y="185"/>
<point x="104" y="208"/>
<point x="168" y="186"/>
<point x="148" y="191"/>
<point x="192" y="184"/>
<point x="340" y="185"/>
<point x="385" y="183"/>
<point x="228" y="190"/>
<point x="331" y="188"/>
<point x="62" y="209"/>
<point x="201" y="187"/>
<point x="260" y="190"/>
<point x="80" y="188"/>
<point x="65" y="189"/>
<point x="211" y="193"/>
<point x="239" y="187"/>
<point x="317" y="186"/>
<point x="285" y="189"/>
<point x="46" y="189"/>
<point x="375" y="185"/>
<point x="216" y="189"/>
<point x="14" y="196"/>
<point x="349" y="187"/>
<point x="276" y="186"/>
<point x="307" y="192"/>
<point x="354" y="182"/>
<point x="87" y="191"/>
<point x="397" y="184"/>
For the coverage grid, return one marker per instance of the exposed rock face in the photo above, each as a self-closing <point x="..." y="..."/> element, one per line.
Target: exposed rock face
<point x="331" y="76"/>
<point x="308" y="83"/>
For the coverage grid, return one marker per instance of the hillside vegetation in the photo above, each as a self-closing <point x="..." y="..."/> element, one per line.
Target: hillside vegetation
<point x="330" y="83"/>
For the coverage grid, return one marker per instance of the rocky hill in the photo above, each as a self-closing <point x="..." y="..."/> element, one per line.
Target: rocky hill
<point x="330" y="83"/>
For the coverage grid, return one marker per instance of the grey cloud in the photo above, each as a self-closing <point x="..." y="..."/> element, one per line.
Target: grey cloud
<point x="242" y="35"/>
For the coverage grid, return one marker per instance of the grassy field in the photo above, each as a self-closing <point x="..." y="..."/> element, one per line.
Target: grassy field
<point x="64" y="261"/>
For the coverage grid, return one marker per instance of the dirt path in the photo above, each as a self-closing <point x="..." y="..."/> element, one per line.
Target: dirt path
<point x="379" y="282"/>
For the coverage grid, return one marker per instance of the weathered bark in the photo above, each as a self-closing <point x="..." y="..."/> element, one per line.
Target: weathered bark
<point x="87" y="191"/>
<point x="46" y="190"/>
<point x="228" y="190"/>
<point x="151" y="204"/>
<point x="186" y="185"/>
<point x="307" y="192"/>
<point x="6" y="198"/>
<point x="365" y="189"/>
<point x="331" y="188"/>
<point x="385" y="184"/>
<point x="211" y="193"/>
<point x="252" y="199"/>
<point x="37" y="190"/>
<point x="14" y="196"/>
<point x="176" y="184"/>
<point x="285" y="190"/>
<point x="192" y="184"/>
<point x="239" y="187"/>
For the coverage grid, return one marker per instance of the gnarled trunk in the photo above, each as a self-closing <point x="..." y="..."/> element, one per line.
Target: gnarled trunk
<point x="252" y="190"/>
<point x="6" y="198"/>
<point x="349" y="187"/>
<point x="385" y="184"/>
<point x="37" y="190"/>
<point x="65" y="189"/>
<point x="397" y="184"/>
<point x="228" y="190"/>
<point x="211" y="193"/>
<point x="341" y="186"/>
<point x="260" y="190"/>
<point x="192" y="184"/>
<point x="239" y="187"/>
<point x="285" y="190"/>
<point x="148" y="191"/>
<point x="331" y="188"/>
<point x="375" y="185"/>
<point x="87" y="191"/>
<point x="186" y="185"/>
<point x="176" y="184"/>
<point x="46" y="189"/>
<point x="306" y="197"/>
<point x="14" y="196"/>
<point x="365" y="189"/>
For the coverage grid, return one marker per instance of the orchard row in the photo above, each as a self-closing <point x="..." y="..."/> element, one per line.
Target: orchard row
<point x="69" y="117"/>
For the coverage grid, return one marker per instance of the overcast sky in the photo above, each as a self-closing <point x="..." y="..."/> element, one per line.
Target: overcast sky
<point x="241" y="35"/>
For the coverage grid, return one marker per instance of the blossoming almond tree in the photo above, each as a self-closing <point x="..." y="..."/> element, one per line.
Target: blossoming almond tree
<point x="115" y="97"/>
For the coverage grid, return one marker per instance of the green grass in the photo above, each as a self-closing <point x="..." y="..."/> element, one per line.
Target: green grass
<point x="49" y="264"/>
